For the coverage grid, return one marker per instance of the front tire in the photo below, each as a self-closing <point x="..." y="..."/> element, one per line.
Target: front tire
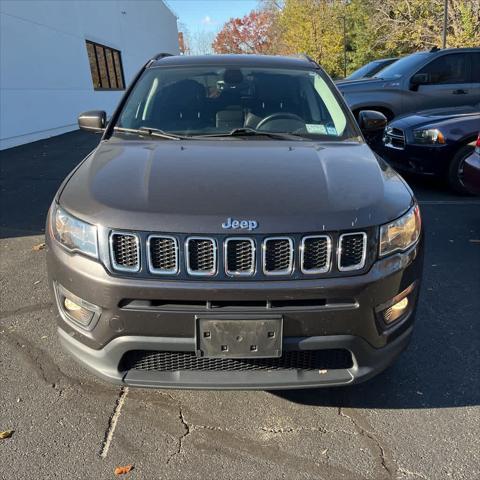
<point x="455" y="170"/>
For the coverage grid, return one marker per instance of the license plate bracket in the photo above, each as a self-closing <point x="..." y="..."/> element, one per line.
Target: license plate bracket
<point x="239" y="337"/>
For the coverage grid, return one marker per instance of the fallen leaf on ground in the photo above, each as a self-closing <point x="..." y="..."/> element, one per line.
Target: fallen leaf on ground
<point x="38" y="247"/>
<point x="123" y="470"/>
<point x="6" y="434"/>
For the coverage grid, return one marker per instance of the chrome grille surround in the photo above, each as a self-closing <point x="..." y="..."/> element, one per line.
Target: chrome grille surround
<point x="327" y="254"/>
<point x="341" y="251"/>
<point x="239" y="272"/>
<point x="265" y="254"/>
<point x="131" y="250"/>
<point x="189" y="251"/>
<point x="165" y="251"/>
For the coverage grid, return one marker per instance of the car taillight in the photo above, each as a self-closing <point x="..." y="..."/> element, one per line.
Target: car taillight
<point x="477" y="145"/>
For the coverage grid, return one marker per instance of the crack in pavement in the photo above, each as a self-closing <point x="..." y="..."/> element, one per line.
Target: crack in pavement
<point x="386" y="462"/>
<point x="260" y="450"/>
<point x="409" y="473"/>
<point x="188" y="429"/>
<point x="27" y="309"/>
<point x="281" y="430"/>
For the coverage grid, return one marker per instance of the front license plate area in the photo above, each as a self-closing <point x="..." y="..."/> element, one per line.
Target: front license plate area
<point x="239" y="338"/>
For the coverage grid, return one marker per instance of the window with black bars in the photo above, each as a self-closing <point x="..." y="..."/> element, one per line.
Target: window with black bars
<point x="106" y="67"/>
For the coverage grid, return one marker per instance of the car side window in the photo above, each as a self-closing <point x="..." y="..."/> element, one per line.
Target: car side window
<point x="447" y="69"/>
<point x="474" y="60"/>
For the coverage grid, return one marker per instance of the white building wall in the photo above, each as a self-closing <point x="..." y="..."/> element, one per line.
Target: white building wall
<point x="45" y="79"/>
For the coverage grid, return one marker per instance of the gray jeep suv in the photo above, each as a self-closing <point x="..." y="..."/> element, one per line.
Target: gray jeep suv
<point x="421" y="81"/>
<point x="233" y="230"/>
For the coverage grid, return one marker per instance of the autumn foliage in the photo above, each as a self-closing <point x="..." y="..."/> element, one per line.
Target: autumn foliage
<point x="250" y="34"/>
<point x="343" y="35"/>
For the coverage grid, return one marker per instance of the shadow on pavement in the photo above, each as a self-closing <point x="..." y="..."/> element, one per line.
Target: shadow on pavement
<point x="30" y="176"/>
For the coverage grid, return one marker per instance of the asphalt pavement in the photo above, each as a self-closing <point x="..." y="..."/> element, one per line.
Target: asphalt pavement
<point x="420" y="419"/>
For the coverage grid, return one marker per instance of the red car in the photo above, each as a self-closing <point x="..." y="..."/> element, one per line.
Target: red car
<point x="471" y="170"/>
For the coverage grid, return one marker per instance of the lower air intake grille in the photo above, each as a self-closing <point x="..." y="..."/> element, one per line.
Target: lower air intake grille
<point x="163" y="255"/>
<point x="353" y="248"/>
<point x="278" y="256"/>
<point x="201" y="256"/>
<point x="293" y="360"/>
<point x="125" y="251"/>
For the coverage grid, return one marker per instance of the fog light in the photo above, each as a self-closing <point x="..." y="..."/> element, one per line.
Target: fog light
<point x="397" y="308"/>
<point x="71" y="306"/>
<point x="76" y="310"/>
<point x="395" y="311"/>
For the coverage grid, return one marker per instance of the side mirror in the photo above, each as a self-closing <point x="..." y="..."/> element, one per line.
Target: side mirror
<point x="419" y="79"/>
<point x="93" y="121"/>
<point x="371" y="121"/>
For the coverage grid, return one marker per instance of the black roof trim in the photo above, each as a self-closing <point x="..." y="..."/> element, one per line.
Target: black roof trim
<point x="159" y="56"/>
<point x="273" y="61"/>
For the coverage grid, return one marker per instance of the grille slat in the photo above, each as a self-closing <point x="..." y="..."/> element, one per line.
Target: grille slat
<point x="239" y="256"/>
<point x="201" y="256"/>
<point x="125" y="252"/>
<point x="278" y="256"/>
<point x="353" y="247"/>
<point x="163" y="254"/>
<point x="305" y="360"/>
<point x="315" y="256"/>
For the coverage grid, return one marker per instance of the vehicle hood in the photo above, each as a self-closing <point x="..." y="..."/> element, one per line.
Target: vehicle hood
<point x="194" y="186"/>
<point x="361" y="84"/>
<point x="438" y="116"/>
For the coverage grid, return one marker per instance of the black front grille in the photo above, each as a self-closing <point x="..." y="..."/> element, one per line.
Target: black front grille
<point x="240" y="256"/>
<point x="316" y="254"/>
<point x="201" y="256"/>
<point x="278" y="256"/>
<point x="163" y="254"/>
<point x="152" y="361"/>
<point x="352" y="251"/>
<point x="394" y="137"/>
<point x="125" y="251"/>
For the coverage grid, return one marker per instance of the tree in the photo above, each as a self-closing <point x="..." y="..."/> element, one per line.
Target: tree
<point x="250" y="34"/>
<point x="315" y="28"/>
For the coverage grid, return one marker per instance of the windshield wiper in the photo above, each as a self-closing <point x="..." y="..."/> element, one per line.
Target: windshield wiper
<point x="251" y="132"/>
<point x="153" y="132"/>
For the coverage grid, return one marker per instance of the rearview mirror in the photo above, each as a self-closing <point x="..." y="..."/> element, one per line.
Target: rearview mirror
<point x="371" y="121"/>
<point x="93" y="121"/>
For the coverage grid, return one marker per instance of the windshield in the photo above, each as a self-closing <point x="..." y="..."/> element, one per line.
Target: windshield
<point x="196" y="101"/>
<point x="398" y="68"/>
<point x="364" y="71"/>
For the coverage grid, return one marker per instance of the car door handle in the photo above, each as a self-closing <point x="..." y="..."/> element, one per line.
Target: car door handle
<point x="460" y="91"/>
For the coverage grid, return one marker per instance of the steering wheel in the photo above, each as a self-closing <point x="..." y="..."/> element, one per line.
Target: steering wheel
<point x="281" y="116"/>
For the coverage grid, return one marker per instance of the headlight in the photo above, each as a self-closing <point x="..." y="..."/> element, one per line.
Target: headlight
<point x="402" y="233"/>
<point x="74" y="234"/>
<point x="428" y="136"/>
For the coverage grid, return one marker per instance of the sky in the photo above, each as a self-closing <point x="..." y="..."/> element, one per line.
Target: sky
<point x="209" y="15"/>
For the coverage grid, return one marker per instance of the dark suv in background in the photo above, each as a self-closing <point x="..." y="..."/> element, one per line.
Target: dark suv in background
<point x="421" y="81"/>
<point x="233" y="230"/>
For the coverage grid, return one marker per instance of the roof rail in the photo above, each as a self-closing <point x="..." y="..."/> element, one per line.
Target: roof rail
<point x="307" y="57"/>
<point x="159" y="56"/>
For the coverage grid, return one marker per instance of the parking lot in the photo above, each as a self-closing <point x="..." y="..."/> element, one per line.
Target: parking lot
<point x="419" y="419"/>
